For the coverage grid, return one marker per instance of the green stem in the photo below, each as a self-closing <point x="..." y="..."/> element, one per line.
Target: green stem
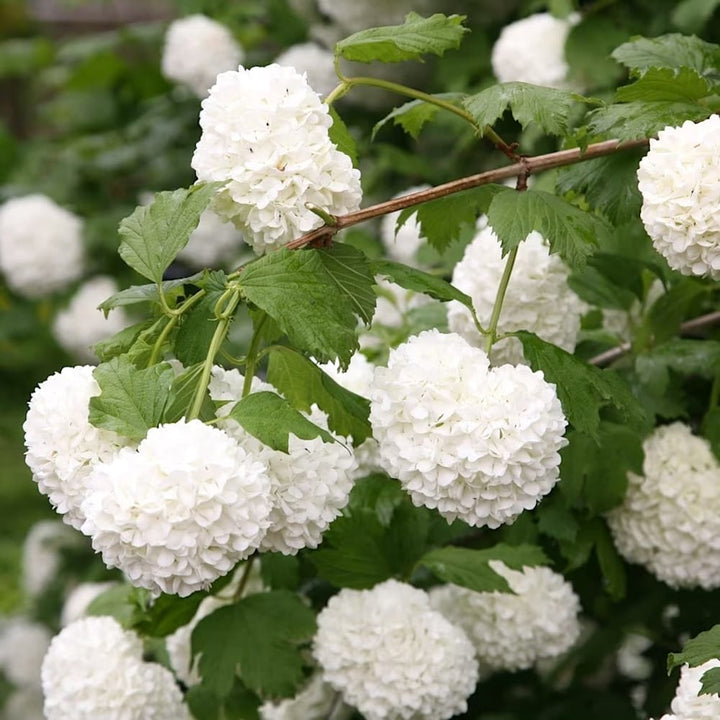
<point x="157" y="347"/>
<point x="491" y="336"/>
<point x="252" y="356"/>
<point x="245" y="577"/>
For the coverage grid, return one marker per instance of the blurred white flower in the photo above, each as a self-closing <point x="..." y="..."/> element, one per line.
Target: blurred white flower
<point x="314" y="702"/>
<point x="23" y="644"/>
<point x="79" y="599"/>
<point x="316" y="62"/>
<point x="41" y="246"/>
<point x="630" y="660"/>
<point x="265" y="135"/>
<point x="212" y="243"/>
<point x="392" y="656"/>
<point x="197" y="49"/>
<point x="41" y="554"/>
<point x="25" y="704"/>
<point x="403" y="245"/>
<point x="679" y="180"/>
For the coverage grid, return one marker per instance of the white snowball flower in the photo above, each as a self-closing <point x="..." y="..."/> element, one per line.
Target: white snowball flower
<point x="94" y="669"/>
<point x="197" y="49"/>
<point x="688" y="704"/>
<point x="669" y="520"/>
<point x="62" y="445"/>
<point x="532" y="50"/>
<point x="314" y="702"/>
<point x="316" y="62"/>
<point x="403" y="245"/>
<point x="514" y="631"/>
<point x="41" y="246"/>
<point x="212" y="243"/>
<point x="81" y="324"/>
<point x="41" y="554"/>
<point x="679" y="180"/>
<point x="477" y="443"/>
<point x="392" y="656"/>
<point x="181" y="510"/>
<point x="23" y="644"/>
<point x="265" y="135"/>
<point x="79" y="600"/>
<point x="538" y="298"/>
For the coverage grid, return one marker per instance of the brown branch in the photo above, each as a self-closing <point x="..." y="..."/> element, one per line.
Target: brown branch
<point x="526" y="166"/>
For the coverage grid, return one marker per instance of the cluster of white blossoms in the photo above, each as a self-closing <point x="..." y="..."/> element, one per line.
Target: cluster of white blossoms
<point x="62" y="446"/>
<point x="392" y="656"/>
<point x="475" y="442"/>
<point x="669" y="520"/>
<point x="532" y="50"/>
<point x="402" y="245"/>
<point x="688" y="703"/>
<point x="679" y="180"/>
<point x="197" y="49"/>
<point x="538" y="298"/>
<point x="317" y="63"/>
<point x="514" y="631"/>
<point x="41" y="246"/>
<point x="212" y="242"/>
<point x="41" y="554"/>
<point x="94" y="669"/>
<point x="81" y="324"/>
<point x="265" y="135"/>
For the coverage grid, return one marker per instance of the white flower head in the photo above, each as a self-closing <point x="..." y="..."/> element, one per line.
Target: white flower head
<point x="212" y="243"/>
<point x="538" y="298"/>
<point x="62" y="445"/>
<point x="317" y="63"/>
<point x="94" y="669"/>
<point x="403" y="245"/>
<point x="532" y="50"/>
<point x="197" y="49"/>
<point x="181" y="510"/>
<point x="41" y="246"/>
<point x="514" y="631"/>
<point x="81" y="324"/>
<point x="679" y="180"/>
<point x="669" y="520"/>
<point x="41" y="554"/>
<point x="688" y="703"/>
<point x="392" y="656"/>
<point x="476" y="443"/>
<point x="23" y="644"/>
<point x="265" y="135"/>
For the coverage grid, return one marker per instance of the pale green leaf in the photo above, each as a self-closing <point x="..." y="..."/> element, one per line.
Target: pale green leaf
<point x="340" y="135"/>
<point x="413" y="115"/>
<point x="683" y="85"/>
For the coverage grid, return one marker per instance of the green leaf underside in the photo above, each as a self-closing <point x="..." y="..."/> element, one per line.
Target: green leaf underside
<point x="131" y="401"/>
<point x="582" y="389"/>
<point x="710" y="682"/>
<point x="303" y="383"/>
<point x="146" y="293"/>
<point x="168" y="613"/>
<point x="122" y="602"/>
<point x="697" y="650"/>
<point x="120" y="342"/>
<point x="571" y="232"/>
<point x="471" y="569"/>
<point x="154" y="234"/>
<point x="666" y="85"/>
<point x="340" y="135"/>
<point x="315" y="296"/>
<point x="413" y="115"/>
<point x="549" y="108"/>
<point x="416" y="37"/>
<point x="271" y="419"/>
<point x="260" y="636"/>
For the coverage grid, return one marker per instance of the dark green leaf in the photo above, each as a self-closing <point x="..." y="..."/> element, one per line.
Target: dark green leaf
<point x="593" y="287"/>
<point x="416" y="37"/>
<point x="168" y="613"/>
<point x="697" y="650"/>
<point x="413" y="115"/>
<point x="182" y="393"/>
<point x="611" y="564"/>
<point x="131" y="401"/>
<point x="260" y="635"/>
<point x="471" y="568"/>
<point x="280" y="572"/>
<point x="669" y="310"/>
<point x="587" y="51"/>
<point x="154" y="234"/>
<point x="303" y="383"/>
<point x="120" y="342"/>
<point x="204" y="704"/>
<point x="690" y="16"/>
<point x="340" y="135"/>
<point x="710" y="682"/>
<point x="683" y="85"/>
<point x="556" y="520"/>
<point x="684" y="356"/>
<point x="149" y="293"/>
<point x="711" y="430"/>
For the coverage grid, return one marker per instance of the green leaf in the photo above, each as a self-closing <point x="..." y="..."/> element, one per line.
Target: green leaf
<point x="204" y="704"/>
<point x="582" y="389"/>
<point x="149" y="293"/>
<point x="548" y="108"/>
<point x="260" y="635"/>
<point x="182" y="393"/>
<point x="120" y="342"/>
<point x="666" y="85"/>
<point x="593" y="287"/>
<point x="471" y="569"/>
<point x="611" y="564"/>
<point x="125" y="603"/>
<point x="154" y="234"/>
<point x="280" y="572"/>
<point x="669" y="310"/>
<point x="690" y="16"/>
<point x="684" y="356"/>
<point x="340" y="135"/>
<point x="131" y="401"/>
<point x="711" y="430"/>
<point x="270" y="418"/>
<point x="710" y="682"/>
<point x="168" y="613"/>
<point x="697" y="650"/>
<point x="140" y="353"/>
<point x="303" y="383"/>
<point x="315" y="296"/>
<point x="571" y="232"/>
<point x="556" y="520"/>
<point x="416" y="37"/>
<point x="413" y="115"/>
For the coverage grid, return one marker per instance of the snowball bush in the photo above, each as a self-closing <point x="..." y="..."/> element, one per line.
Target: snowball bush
<point x="688" y="704"/>
<point x="197" y="49"/>
<point x="476" y="443"/>
<point x="514" y="631"/>
<point x="392" y="656"/>
<point x="41" y="246"/>
<point x="265" y="135"/>
<point x="317" y="63"/>
<point x="679" y="180"/>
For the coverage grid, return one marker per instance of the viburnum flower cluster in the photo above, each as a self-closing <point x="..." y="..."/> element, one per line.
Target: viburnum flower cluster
<point x="197" y="49"/>
<point x="476" y="443"/>
<point x="679" y="180"/>
<point x="41" y="246"/>
<point x="688" y="703"/>
<point x="538" y="297"/>
<point x="392" y="656"/>
<point x="669" y="520"/>
<point x="315" y="62"/>
<point x="532" y="50"/>
<point x="95" y="669"/>
<point x="514" y="631"/>
<point x="265" y="135"/>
